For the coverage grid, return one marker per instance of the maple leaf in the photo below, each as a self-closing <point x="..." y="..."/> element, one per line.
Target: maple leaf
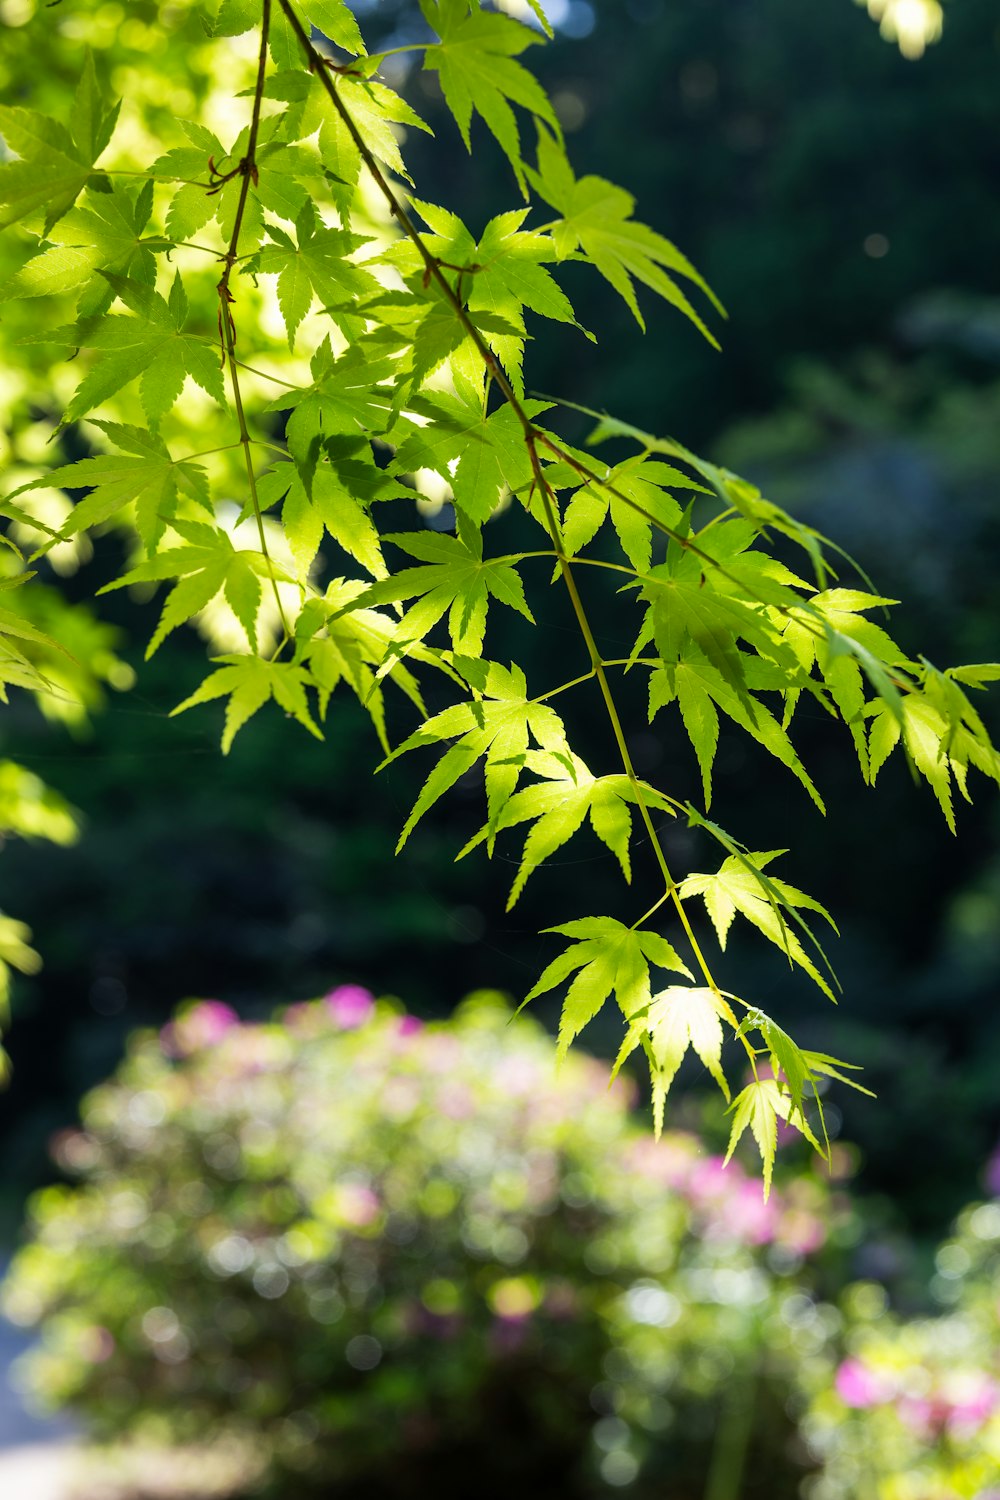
<point x="144" y="475"/>
<point x="797" y="1070"/>
<point x="596" y="218"/>
<point x="374" y="109"/>
<point x="760" y="1106"/>
<point x="348" y="396"/>
<point x="454" y="579"/>
<point x="640" y="480"/>
<point x="207" y="566"/>
<point x="56" y="161"/>
<point x="699" y="689"/>
<point x="679" y="1017"/>
<point x="942" y="735"/>
<point x="249" y="682"/>
<point x="475" y="61"/>
<point x="560" y="803"/>
<point x="105" y="233"/>
<point x="324" y="504"/>
<point x="490" y="450"/>
<point x="332" y="17"/>
<point x="610" y="958"/>
<point x="16" y="667"/>
<point x="498" y="278"/>
<point x="285" y="179"/>
<point x="499" y="725"/>
<point x="740" y="885"/>
<point x="340" y="641"/>
<point x="689" y="602"/>
<point x="846" y="648"/>
<point x="317" y="266"/>
<point x="151" y="345"/>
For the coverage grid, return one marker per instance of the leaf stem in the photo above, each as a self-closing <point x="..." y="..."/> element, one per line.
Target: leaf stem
<point x="205" y="452"/>
<point x="265" y="375"/>
<point x="620" y="661"/>
<point x="156" y="176"/>
<point x="564" y="687"/>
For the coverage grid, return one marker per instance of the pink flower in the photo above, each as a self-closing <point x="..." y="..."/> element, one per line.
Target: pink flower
<point x="747" y="1217"/>
<point x="350" y="1005"/>
<point x="859" y="1385"/>
<point x="409" y="1026"/>
<point x="202" y="1025"/>
<point x="972" y="1402"/>
<point x="359" y="1205"/>
<point x="924" y="1415"/>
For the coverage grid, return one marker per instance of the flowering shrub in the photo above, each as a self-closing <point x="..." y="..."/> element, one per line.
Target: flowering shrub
<point x="914" y="1410"/>
<point x="384" y="1257"/>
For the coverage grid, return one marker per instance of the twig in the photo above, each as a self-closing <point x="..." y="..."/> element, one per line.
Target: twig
<point x="247" y="170"/>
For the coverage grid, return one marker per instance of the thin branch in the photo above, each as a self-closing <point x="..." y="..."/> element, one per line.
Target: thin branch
<point x="227" y="328"/>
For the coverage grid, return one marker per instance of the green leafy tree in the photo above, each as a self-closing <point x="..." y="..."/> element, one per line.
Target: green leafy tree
<point x="194" y="280"/>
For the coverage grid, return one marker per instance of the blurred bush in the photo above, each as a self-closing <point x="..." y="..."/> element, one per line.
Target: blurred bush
<point x="913" y="1411"/>
<point x="391" y="1259"/>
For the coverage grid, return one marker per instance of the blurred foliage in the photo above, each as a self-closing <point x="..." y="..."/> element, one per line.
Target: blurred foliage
<point x="381" y="1257"/>
<point x="346" y="1252"/>
<point x="913" y="1412"/>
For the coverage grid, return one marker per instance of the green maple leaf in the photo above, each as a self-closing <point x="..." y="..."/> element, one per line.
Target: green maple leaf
<point x="503" y="275"/>
<point x="760" y="1106"/>
<point x="679" y="1017"/>
<point x="341" y="641"/>
<point x="731" y="489"/>
<point x="596" y="222"/>
<point x="610" y="958"/>
<point x="332" y="17"/>
<point x="499" y="724"/>
<point x="845" y="649"/>
<point x="143" y="475"/>
<point x="208" y="566"/>
<point x="106" y="234"/>
<point x="942" y="735"/>
<point x="454" y="579"/>
<point x="490" y="450"/>
<point x="56" y="161"/>
<point x="16" y="667"/>
<point x="324" y="505"/>
<point x="374" y="110"/>
<point x="475" y="61"/>
<point x="558" y="806"/>
<point x="740" y="885"/>
<point x="798" y="1071"/>
<point x="192" y="206"/>
<point x="349" y="395"/>
<point x="315" y="267"/>
<point x="286" y="178"/>
<point x="249" y="682"/>
<point x="689" y="601"/>
<point x="699" y="690"/>
<point x="151" y="345"/>
<point x="638" y="480"/>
